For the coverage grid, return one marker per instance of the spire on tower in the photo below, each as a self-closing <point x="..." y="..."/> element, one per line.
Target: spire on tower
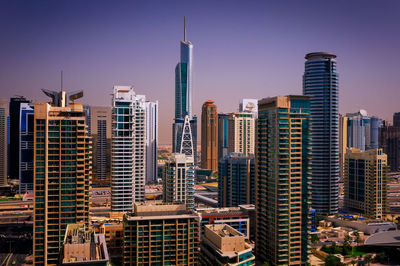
<point x="184" y="28"/>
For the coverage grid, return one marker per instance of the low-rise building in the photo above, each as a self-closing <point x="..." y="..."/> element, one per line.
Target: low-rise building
<point x="223" y="245"/>
<point x="83" y="247"/>
<point x="241" y="218"/>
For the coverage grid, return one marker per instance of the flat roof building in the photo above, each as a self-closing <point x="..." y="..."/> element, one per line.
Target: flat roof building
<point x="223" y="245"/>
<point x="161" y="234"/>
<point x="83" y="247"/>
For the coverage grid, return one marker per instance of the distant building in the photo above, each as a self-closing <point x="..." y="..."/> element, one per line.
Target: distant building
<point x="83" y="247"/>
<point x="26" y="131"/>
<point x="365" y="182"/>
<point x="223" y="135"/>
<point x="236" y="180"/>
<point x="396" y="119"/>
<point x="389" y="141"/>
<point x="209" y="136"/>
<point x="321" y="83"/>
<point x="113" y="233"/>
<point x="241" y="138"/>
<point x="178" y="180"/>
<point x="342" y="142"/>
<point x="100" y="121"/>
<point x="161" y="234"/>
<point x="283" y="170"/>
<point x="3" y="141"/>
<point x="62" y="173"/>
<point x="128" y="153"/>
<point x="223" y="245"/>
<point x="362" y="130"/>
<point x="15" y="133"/>
<point x="249" y="106"/>
<point x="240" y="218"/>
<point x="151" y="141"/>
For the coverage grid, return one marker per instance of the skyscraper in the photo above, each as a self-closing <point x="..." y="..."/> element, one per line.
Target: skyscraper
<point x="62" y="173"/>
<point x="358" y="130"/>
<point x="320" y="82"/>
<point x="26" y="131"/>
<point x="241" y="133"/>
<point x="15" y="133"/>
<point x="151" y="141"/>
<point x="183" y="103"/>
<point x="389" y="141"/>
<point x="128" y="152"/>
<point x="100" y="130"/>
<point x="365" y="182"/>
<point x="178" y="180"/>
<point x="283" y="176"/>
<point x="223" y="135"/>
<point x="209" y="136"/>
<point x="236" y="180"/>
<point x="3" y="141"/>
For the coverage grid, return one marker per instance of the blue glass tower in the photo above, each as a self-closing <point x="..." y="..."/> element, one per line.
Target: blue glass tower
<point x="320" y="81"/>
<point x="182" y="134"/>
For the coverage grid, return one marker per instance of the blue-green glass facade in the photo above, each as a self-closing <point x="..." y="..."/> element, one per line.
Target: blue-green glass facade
<point x="320" y="82"/>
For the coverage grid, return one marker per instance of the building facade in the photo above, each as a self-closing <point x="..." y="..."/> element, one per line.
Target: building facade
<point x="223" y="245"/>
<point x="178" y="180"/>
<point x="283" y="167"/>
<point x="236" y="180"/>
<point x="15" y="123"/>
<point x="320" y="82"/>
<point x="100" y="127"/>
<point x="128" y="150"/>
<point x="342" y="142"/>
<point x="223" y="135"/>
<point x="389" y="141"/>
<point x="209" y="136"/>
<point x="161" y="234"/>
<point x="3" y="141"/>
<point x="62" y="173"/>
<point x="151" y="141"/>
<point x="241" y="138"/>
<point x="365" y="182"/>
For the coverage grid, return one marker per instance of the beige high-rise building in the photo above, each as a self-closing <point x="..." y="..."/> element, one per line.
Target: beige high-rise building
<point x="365" y="182"/>
<point x="100" y="121"/>
<point x="209" y="136"/>
<point x="241" y="128"/>
<point x="342" y="143"/>
<point x="3" y="141"/>
<point x="62" y="173"/>
<point x="283" y="169"/>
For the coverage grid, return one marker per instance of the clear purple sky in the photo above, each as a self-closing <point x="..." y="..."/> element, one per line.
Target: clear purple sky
<point x="242" y="49"/>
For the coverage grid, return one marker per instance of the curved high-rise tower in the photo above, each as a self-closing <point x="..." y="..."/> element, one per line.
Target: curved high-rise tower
<point x="183" y="102"/>
<point x="320" y="81"/>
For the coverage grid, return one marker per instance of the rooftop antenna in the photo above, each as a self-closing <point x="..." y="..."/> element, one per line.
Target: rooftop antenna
<point x="184" y="28"/>
<point x="61" y="80"/>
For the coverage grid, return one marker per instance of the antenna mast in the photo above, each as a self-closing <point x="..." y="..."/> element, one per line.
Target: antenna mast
<point x="184" y="28"/>
<point x="62" y="80"/>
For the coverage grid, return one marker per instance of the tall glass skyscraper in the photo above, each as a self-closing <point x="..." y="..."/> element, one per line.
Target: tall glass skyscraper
<point x="183" y="103"/>
<point x="320" y="81"/>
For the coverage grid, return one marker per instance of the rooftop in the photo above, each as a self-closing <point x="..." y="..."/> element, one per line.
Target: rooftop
<point x="320" y="55"/>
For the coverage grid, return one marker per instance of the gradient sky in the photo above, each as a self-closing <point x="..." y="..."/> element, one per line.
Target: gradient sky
<point x="242" y="49"/>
